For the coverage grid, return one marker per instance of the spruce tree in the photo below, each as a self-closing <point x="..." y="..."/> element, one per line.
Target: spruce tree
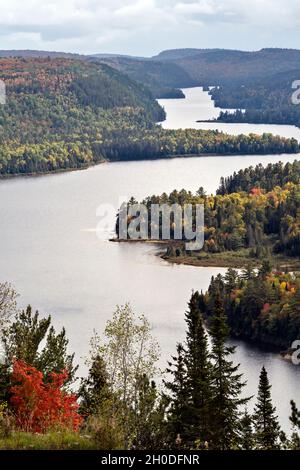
<point x="247" y="435"/>
<point x="266" y="424"/>
<point x="198" y="369"/>
<point x="149" y="425"/>
<point x="227" y="384"/>
<point x="94" y="389"/>
<point x="294" y="442"/>
<point x="178" y="397"/>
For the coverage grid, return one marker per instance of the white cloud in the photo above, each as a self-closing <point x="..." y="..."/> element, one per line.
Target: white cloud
<point x="86" y="24"/>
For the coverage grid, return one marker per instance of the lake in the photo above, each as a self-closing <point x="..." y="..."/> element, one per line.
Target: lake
<point x="198" y="105"/>
<point x="50" y="252"/>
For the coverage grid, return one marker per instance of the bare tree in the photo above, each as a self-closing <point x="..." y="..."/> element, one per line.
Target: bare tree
<point x="8" y="303"/>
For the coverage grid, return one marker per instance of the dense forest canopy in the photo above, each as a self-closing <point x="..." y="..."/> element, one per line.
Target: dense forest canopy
<point x="223" y="66"/>
<point x="64" y="113"/>
<point x="260" y="306"/>
<point x="267" y="100"/>
<point x="257" y="209"/>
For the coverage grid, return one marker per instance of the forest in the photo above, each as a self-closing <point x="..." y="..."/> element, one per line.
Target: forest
<point x="119" y="404"/>
<point x="256" y="209"/>
<point x="267" y="100"/>
<point x="64" y="113"/>
<point x="261" y="306"/>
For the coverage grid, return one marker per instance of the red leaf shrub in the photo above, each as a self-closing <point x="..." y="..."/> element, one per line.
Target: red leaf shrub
<point x="40" y="406"/>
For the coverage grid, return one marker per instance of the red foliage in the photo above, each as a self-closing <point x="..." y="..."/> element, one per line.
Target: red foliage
<point x="39" y="406"/>
<point x="266" y="308"/>
<point x="255" y="191"/>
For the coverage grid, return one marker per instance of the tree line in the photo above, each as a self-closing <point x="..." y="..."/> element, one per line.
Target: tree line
<point x="265" y="100"/>
<point x="262" y="305"/>
<point x="263" y="223"/>
<point x="118" y="405"/>
<point x="67" y="113"/>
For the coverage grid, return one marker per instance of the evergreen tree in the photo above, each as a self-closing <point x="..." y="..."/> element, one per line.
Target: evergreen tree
<point x="265" y="268"/>
<point x="198" y="369"/>
<point x="247" y="435"/>
<point x="178" y="397"/>
<point x="226" y="384"/>
<point x="94" y="389"/>
<point x="231" y="279"/>
<point x="23" y="340"/>
<point x="149" y="417"/>
<point x="266" y="424"/>
<point x="294" y="442"/>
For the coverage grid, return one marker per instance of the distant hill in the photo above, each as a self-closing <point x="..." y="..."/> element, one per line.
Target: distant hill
<point x="170" y="70"/>
<point x="31" y="53"/>
<point x="175" y="54"/>
<point x="221" y="66"/>
<point x="163" y="79"/>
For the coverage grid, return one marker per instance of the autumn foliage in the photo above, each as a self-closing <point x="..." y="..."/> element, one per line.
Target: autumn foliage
<point x="39" y="405"/>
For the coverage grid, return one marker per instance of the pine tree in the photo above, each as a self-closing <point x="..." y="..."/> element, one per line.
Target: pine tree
<point x="231" y="280"/>
<point x="226" y="383"/>
<point x="247" y="435"/>
<point x="94" y="389"/>
<point x="198" y="369"/>
<point x="179" y="397"/>
<point x="265" y="268"/>
<point x="23" y="339"/>
<point x="294" y="441"/>
<point x="149" y="417"/>
<point x="266" y="424"/>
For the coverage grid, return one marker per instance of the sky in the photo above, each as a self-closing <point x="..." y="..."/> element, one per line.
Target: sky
<point x="145" y="27"/>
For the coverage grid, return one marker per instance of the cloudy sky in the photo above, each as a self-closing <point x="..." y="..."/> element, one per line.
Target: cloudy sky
<point x="145" y="27"/>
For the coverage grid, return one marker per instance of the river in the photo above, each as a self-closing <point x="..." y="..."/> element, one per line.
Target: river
<point x="50" y="252"/>
<point x="198" y="105"/>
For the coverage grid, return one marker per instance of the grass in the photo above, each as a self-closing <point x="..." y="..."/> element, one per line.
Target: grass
<point x="59" y="440"/>
<point x="232" y="259"/>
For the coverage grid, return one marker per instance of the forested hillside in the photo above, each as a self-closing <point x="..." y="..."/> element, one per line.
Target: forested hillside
<point x="163" y="79"/>
<point x="221" y="66"/>
<point x="264" y="101"/>
<point x="263" y="307"/>
<point x="59" y="111"/>
<point x="65" y="114"/>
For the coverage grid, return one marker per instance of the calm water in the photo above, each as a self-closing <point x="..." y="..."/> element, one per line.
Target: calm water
<point x="49" y="250"/>
<point x="198" y="105"/>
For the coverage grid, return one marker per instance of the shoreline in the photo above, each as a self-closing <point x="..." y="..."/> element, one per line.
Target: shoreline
<point x="222" y="121"/>
<point x="11" y="176"/>
<point x="216" y="262"/>
<point x="49" y="173"/>
<point x="219" y="260"/>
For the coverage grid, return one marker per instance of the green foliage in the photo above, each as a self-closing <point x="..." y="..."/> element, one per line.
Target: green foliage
<point x="55" y="440"/>
<point x="67" y="113"/>
<point x="227" y="383"/>
<point x="94" y="389"/>
<point x="260" y="221"/>
<point x="247" y="434"/>
<point x="264" y="308"/>
<point x="163" y="79"/>
<point x="267" y="100"/>
<point x="130" y="354"/>
<point x="294" y="442"/>
<point x="199" y="374"/>
<point x="178" y="396"/>
<point x="205" y="390"/>
<point x="23" y="340"/>
<point x="263" y="177"/>
<point x="265" y="420"/>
